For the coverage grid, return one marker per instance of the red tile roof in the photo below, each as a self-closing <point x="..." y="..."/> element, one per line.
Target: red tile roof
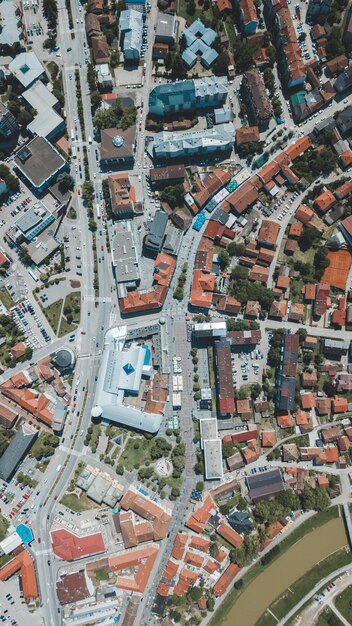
<point x="134" y="567"/>
<point x="23" y="562"/>
<point x="144" y="507"/>
<point x="225" y="580"/>
<point x="226" y="532"/>
<point x="69" y="547"/>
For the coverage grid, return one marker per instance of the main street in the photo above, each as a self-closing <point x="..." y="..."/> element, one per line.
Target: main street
<point x="95" y="317"/>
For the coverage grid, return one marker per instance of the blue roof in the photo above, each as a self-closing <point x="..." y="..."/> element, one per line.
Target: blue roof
<point x="128" y="368"/>
<point x="189" y="57"/>
<point x="209" y="57"/>
<point x="147" y="355"/>
<point x="25" y="533"/>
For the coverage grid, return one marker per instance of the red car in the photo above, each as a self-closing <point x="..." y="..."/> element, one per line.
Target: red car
<point x="39" y="539"/>
<point x="102" y="248"/>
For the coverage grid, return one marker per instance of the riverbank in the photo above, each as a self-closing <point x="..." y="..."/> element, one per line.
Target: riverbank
<point x="231" y="601"/>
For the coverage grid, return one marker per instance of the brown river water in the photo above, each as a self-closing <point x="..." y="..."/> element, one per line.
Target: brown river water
<point x="278" y="576"/>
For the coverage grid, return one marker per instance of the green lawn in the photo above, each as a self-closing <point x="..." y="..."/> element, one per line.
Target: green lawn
<point x="343" y="603"/>
<point x="78" y="504"/>
<point x="73" y="301"/>
<point x="52" y="314"/>
<point x="6" y="299"/>
<point x="131" y="456"/>
<point x="281" y="606"/>
<point x="3" y="527"/>
<point x="199" y="12"/>
<point x="325" y="618"/>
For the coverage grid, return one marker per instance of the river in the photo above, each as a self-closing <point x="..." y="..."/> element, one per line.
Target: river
<point x="284" y="571"/>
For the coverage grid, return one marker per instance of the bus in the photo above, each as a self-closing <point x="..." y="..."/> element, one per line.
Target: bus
<point x="72" y="134"/>
<point x="73" y="152"/>
<point x="98" y="211"/>
<point x="33" y="275"/>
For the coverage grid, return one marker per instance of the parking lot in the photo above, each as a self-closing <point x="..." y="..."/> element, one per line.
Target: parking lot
<point x="13" y="608"/>
<point x="30" y="325"/>
<point x="247" y="367"/>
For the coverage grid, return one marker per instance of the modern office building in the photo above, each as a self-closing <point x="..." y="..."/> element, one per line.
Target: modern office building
<point x="27" y="68"/>
<point x="131" y="29"/>
<point x="188" y="95"/>
<point x="39" y="163"/>
<point x="31" y="224"/>
<point x="47" y="122"/>
<point x="192" y="144"/>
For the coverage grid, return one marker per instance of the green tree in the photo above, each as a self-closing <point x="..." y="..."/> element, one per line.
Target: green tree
<point x="65" y="182"/>
<point x="95" y="98"/>
<point x="224" y="258"/>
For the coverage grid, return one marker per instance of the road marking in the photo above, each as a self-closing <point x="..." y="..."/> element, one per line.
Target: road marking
<point x="42" y="552"/>
<point x="69" y="451"/>
<point x="94" y="299"/>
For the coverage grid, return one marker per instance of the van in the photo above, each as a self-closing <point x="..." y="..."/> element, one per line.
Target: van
<point x="58" y="468"/>
<point x="89" y="139"/>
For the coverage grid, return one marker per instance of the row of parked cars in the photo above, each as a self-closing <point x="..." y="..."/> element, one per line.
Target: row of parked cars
<point x="23" y="205"/>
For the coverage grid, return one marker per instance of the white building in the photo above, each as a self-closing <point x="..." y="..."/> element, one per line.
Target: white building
<point x="121" y="371"/>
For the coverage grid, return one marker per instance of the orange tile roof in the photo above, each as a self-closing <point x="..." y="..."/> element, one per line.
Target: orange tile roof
<point x="224" y="5"/>
<point x="194" y="559"/>
<point x="340" y="405"/>
<point x="247" y="134"/>
<point x="324" y="201"/>
<point x="258" y="273"/>
<point x="200" y="543"/>
<point x="332" y="454"/>
<point x="163" y="590"/>
<point x="179" y="546"/>
<point x="323" y="481"/>
<point x="201" y="516"/>
<point x="295" y="230"/>
<point x="24" y="562"/>
<point x="226" y="532"/>
<point x="225" y="580"/>
<point x="268" y="233"/>
<point x="298" y="148"/>
<point x="134" y="567"/>
<point x="243" y="406"/>
<point x="283" y="282"/>
<point x="221" y="555"/>
<point x="308" y="400"/>
<point x="69" y="546"/>
<point x="269" y="170"/>
<point x="285" y="421"/>
<point x="243" y="197"/>
<point x="202" y="289"/>
<point x="251" y="451"/>
<point x="211" y="566"/>
<point x="346" y="158"/>
<point x="304" y="214"/>
<point x="249" y="13"/>
<point x="144" y="507"/>
<point x="302" y="418"/>
<point x="268" y="438"/>
<point x="18" y="350"/>
<point x="170" y="570"/>
<point x="310" y="292"/>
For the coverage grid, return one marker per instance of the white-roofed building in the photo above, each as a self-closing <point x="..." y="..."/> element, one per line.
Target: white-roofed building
<point x="194" y="143"/>
<point x="10" y="544"/>
<point x="110" y="402"/>
<point x="47" y="122"/>
<point x="104" y="77"/>
<point x="204" y="330"/>
<point x="213" y="459"/>
<point x="27" y="68"/>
